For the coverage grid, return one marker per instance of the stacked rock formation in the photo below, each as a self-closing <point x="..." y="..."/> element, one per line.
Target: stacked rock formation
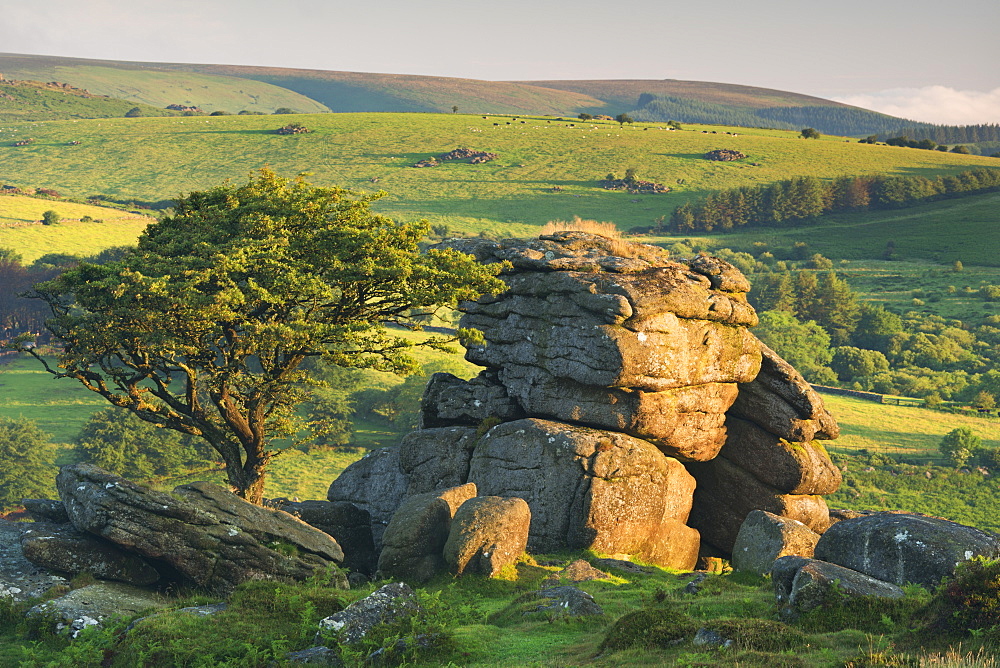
<point x="615" y="382"/>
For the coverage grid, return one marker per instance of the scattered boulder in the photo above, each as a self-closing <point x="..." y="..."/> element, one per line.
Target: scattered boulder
<point x="19" y="578"/>
<point x="816" y="582"/>
<point x="416" y="535"/>
<point x="389" y="603"/>
<point x="580" y="571"/>
<point x="292" y="129"/>
<point x="764" y="537"/>
<point x="95" y="604"/>
<point x="317" y="656"/>
<point x="565" y="601"/>
<point x="905" y="548"/>
<point x="62" y="548"/>
<point x="487" y="534"/>
<point x="724" y="155"/>
<point x="207" y="534"/>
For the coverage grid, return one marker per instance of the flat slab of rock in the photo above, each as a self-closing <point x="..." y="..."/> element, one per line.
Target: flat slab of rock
<point x="19" y="578"/>
<point x="61" y="547"/>
<point x="46" y="510"/>
<point x="586" y="488"/>
<point x="566" y="600"/>
<point x="686" y="422"/>
<point x="487" y="534"/>
<point x="765" y="537"/>
<point x="387" y="604"/>
<point x="901" y="548"/>
<point x="97" y="603"/>
<point x="211" y="536"/>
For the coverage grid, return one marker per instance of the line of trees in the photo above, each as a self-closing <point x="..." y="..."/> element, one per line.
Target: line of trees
<point x="807" y="197"/>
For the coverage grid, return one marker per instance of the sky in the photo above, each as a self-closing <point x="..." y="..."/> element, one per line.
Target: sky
<point x="925" y="60"/>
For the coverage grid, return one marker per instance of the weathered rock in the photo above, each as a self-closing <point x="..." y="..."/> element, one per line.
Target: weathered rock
<point x="349" y="525"/>
<point x="449" y="400"/>
<point x="783" y="572"/>
<point x="817" y="582"/>
<point x="672" y="544"/>
<point x="565" y="601"/>
<point x="46" y="510"/>
<point x="436" y="458"/>
<point x="209" y="535"/>
<point x="902" y="548"/>
<point x="726" y="494"/>
<point x="677" y="353"/>
<point x="782" y="402"/>
<point x="487" y="534"/>
<point x="375" y="483"/>
<point x="416" y="535"/>
<point x="686" y="422"/>
<point x="317" y="656"/>
<point x="61" y="547"/>
<point x="793" y="468"/>
<point x="387" y="604"/>
<point x="95" y="604"/>
<point x="580" y="571"/>
<point x="19" y="578"/>
<point x="586" y="488"/>
<point x="765" y="537"/>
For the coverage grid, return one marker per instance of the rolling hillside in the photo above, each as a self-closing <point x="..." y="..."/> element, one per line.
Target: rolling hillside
<point x="233" y="88"/>
<point x="546" y="169"/>
<point x="36" y="101"/>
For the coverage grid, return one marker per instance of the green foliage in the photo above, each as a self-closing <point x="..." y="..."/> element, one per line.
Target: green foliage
<point x="50" y="217"/>
<point x="758" y="635"/>
<point x="850" y="363"/>
<point x="118" y="441"/>
<point x="804" y="345"/>
<point x="27" y="457"/>
<point x="810" y="133"/>
<point x="622" y="119"/>
<point x="203" y="330"/>
<point x="959" y="445"/>
<point x="866" y="613"/>
<point x="968" y="602"/>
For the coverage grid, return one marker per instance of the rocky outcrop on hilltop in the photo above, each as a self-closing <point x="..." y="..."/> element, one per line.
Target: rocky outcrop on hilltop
<point x="623" y="397"/>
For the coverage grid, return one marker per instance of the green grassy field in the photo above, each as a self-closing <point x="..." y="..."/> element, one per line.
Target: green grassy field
<point x="156" y="158"/>
<point x="21" y="228"/>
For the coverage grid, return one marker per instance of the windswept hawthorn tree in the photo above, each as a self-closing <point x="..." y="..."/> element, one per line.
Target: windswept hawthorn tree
<point x="204" y="327"/>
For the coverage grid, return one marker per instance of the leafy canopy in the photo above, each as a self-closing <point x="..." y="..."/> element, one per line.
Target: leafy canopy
<point x="203" y="328"/>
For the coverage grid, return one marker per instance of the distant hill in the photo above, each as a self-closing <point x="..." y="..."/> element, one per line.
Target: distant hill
<point x="235" y="88"/>
<point x="37" y="101"/>
<point x="156" y="85"/>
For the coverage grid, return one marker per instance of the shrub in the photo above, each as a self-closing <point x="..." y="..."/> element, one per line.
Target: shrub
<point x="968" y="602"/>
<point x="50" y="217"/>
<point x="578" y="224"/>
<point x="649" y="629"/>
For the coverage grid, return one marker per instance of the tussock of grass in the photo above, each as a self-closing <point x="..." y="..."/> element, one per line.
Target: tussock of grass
<point x="605" y="229"/>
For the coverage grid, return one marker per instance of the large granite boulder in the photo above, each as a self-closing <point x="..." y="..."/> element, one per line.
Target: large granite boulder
<point x="375" y="483"/>
<point x="765" y="537"/>
<point x="61" y="547"/>
<point x="587" y="488"/>
<point x="414" y="540"/>
<point x="436" y="458"/>
<point x="487" y="534"/>
<point x="905" y="548"/>
<point x="207" y="534"/>
<point x="387" y="604"/>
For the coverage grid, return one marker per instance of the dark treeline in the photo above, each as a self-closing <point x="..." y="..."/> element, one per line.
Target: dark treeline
<point x="848" y="121"/>
<point x="807" y="197"/>
<point x="949" y="134"/>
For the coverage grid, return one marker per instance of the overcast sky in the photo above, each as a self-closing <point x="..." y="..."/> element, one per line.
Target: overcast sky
<point x="928" y="60"/>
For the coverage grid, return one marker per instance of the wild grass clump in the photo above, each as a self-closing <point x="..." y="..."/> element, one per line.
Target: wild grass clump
<point x="605" y="229"/>
<point x="870" y="614"/>
<point x="758" y="635"/>
<point x="649" y="628"/>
